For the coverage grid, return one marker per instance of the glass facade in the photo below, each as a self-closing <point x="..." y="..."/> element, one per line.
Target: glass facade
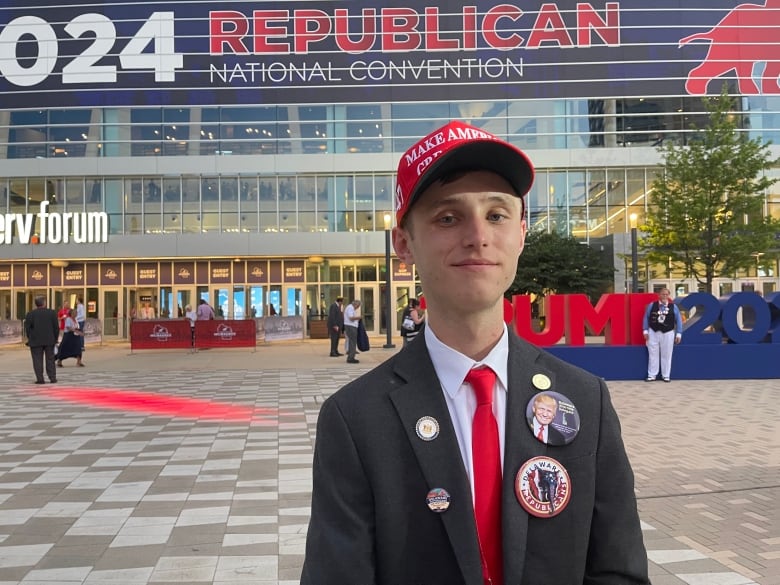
<point x="360" y="128"/>
<point x="585" y="202"/>
<point x="280" y="145"/>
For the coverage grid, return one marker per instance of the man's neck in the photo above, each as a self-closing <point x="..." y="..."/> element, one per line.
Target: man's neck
<point x="473" y="338"/>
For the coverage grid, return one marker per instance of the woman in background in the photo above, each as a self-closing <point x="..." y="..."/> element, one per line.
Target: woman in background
<point x="413" y="313"/>
<point x="70" y="346"/>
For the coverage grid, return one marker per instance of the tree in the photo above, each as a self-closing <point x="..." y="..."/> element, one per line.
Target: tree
<point x="706" y="205"/>
<point x="551" y="263"/>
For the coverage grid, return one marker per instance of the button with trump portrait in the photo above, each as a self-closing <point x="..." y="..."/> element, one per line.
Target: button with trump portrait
<point x="438" y="500"/>
<point x="552" y="418"/>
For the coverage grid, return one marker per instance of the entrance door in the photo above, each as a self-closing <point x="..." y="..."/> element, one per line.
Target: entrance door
<point x="293" y="299"/>
<point x="113" y="323"/>
<point x="369" y="306"/>
<point x="5" y="304"/>
<point x="400" y="300"/>
<point x="183" y="297"/>
<point x="142" y="303"/>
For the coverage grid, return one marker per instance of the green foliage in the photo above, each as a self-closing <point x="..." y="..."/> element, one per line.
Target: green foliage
<point x="706" y="207"/>
<point x="555" y="264"/>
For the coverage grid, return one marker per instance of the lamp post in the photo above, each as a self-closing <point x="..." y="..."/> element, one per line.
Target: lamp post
<point x="388" y="291"/>
<point x="634" y="255"/>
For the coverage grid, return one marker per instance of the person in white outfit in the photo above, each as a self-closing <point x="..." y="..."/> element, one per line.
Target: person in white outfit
<point x="662" y="328"/>
<point x="352" y="317"/>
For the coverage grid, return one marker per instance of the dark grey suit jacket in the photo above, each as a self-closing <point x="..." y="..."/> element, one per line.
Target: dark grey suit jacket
<point x="41" y="327"/>
<point x="370" y="523"/>
<point x="335" y="317"/>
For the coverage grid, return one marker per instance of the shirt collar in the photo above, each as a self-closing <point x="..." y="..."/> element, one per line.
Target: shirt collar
<point x="452" y="366"/>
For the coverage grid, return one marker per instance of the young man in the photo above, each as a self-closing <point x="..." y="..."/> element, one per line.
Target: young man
<point x="662" y="327"/>
<point x="425" y="469"/>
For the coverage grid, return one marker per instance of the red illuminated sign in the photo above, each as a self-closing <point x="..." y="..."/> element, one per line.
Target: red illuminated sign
<point x="618" y="317"/>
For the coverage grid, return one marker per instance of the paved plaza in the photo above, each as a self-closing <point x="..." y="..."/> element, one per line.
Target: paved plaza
<point x="173" y="467"/>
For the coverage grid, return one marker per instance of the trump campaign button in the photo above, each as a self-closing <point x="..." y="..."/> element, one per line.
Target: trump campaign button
<point x="552" y="418"/>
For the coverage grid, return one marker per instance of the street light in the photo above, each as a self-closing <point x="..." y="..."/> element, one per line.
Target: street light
<point x="634" y="255"/>
<point x="388" y="296"/>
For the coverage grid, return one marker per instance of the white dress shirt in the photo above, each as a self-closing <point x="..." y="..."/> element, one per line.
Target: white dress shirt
<point x="451" y="367"/>
<point x="537" y="426"/>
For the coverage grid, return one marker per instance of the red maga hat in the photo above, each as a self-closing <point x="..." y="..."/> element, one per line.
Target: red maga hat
<point x="458" y="146"/>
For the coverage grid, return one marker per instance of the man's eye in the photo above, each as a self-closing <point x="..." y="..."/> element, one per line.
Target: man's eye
<point x="447" y="219"/>
<point x="496" y="216"/>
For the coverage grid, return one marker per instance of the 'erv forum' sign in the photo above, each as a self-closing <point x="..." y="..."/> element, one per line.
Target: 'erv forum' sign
<point x="54" y="227"/>
<point x="88" y="53"/>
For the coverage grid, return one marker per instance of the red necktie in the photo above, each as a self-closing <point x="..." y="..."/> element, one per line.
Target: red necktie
<point x="486" y="458"/>
<point x="540" y="435"/>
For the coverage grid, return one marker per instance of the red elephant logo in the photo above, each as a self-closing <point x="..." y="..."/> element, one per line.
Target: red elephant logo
<point x="746" y="36"/>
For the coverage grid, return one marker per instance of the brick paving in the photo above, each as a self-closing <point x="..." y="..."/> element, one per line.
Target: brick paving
<point x="173" y="467"/>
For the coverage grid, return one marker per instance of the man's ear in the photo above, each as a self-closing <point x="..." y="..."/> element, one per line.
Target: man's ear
<point x="401" y="239"/>
<point x="524" y="233"/>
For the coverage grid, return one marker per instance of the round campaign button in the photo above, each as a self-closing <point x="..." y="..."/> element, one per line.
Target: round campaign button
<point x="552" y="418"/>
<point x="541" y="382"/>
<point x="543" y="487"/>
<point x="438" y="500"/>
<point x="427" y="428"/>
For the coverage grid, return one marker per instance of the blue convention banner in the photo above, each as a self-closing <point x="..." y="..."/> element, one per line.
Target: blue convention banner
<point x="91" y="53"/>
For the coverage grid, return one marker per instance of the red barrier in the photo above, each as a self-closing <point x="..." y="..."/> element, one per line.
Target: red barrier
<point x="225" y="333"/>
<point x="150" y="334"/>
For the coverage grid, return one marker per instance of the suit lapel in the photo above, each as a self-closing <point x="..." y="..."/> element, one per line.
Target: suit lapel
<point x="439" y="459"/>
<point x="519" y="446"/>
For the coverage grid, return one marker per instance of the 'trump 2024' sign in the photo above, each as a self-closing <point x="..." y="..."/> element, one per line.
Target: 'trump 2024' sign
<point x="737" y="336"/>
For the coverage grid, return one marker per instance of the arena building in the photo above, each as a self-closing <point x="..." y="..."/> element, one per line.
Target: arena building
<point x="244" y="152"/>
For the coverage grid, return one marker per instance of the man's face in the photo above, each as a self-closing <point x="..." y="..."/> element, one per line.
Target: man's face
<point x="545" y="413"/>
<point x="663" y="296"/>
<point x="464" y="238"/>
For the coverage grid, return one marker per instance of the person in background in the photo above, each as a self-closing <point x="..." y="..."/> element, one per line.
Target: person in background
<point x="70" y="347"/>
<point x="662" y="328"/>
<point x="42" y="330"/>
<point x="352" y="317"/>
<point x="191" y="316"/>
<point x="425" y="469"/>
<point x="81" y="319"/>
<point x="413" y="313"/>
<point x="147" y="311"/>
<point x="205" y="312"/>
<point x="62" y="314"/>
<point x="335" y="325"/>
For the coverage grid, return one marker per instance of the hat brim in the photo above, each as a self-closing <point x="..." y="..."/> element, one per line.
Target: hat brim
<point x="487" y="155"/>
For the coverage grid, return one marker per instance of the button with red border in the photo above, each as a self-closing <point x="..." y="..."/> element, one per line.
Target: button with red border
<point x="543" y="487"/>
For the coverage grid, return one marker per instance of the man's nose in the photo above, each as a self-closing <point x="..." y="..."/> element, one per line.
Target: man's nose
<point x="475" y="231"/>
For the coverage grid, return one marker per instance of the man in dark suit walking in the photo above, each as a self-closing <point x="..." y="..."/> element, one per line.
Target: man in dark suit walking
<point x="335" y="325"/>
<point x="425" y="470"/>
<point x="42" y="329"/>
